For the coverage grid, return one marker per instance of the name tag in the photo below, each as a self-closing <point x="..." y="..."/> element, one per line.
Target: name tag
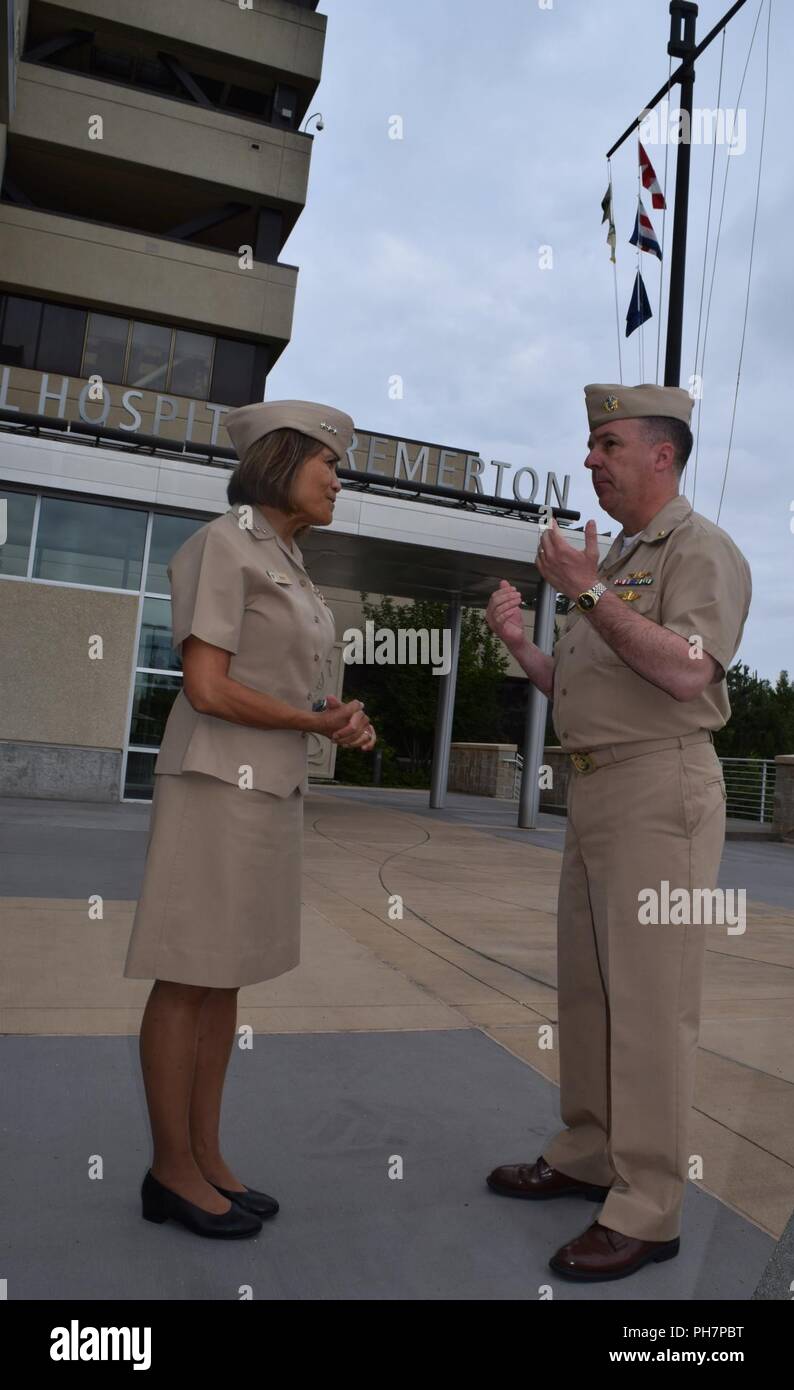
<point x="278" y="578"/>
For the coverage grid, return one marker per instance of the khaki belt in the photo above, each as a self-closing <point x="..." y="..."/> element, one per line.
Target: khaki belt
<point x="619" y="752"/>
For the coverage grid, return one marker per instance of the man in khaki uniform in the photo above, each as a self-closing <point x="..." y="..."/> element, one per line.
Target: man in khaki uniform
<point x="638" y="686"/>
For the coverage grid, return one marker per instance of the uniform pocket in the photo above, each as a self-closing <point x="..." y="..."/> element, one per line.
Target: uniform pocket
<point x="718" y="782"/>
<point x="703" y="797"/>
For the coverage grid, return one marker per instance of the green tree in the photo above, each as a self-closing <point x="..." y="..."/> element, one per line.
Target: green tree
<point x="403" y="699"/>
<point x="762" y="716"/>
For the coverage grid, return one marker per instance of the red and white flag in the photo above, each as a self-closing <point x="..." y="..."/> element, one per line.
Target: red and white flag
<point x="649" y="179"/>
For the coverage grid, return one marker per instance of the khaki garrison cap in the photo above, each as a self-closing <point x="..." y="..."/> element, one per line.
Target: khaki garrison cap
<point x="610" y="402"/>
<point x="331" y="427"/>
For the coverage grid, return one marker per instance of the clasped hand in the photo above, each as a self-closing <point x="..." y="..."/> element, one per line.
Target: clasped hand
<point x="347" y="725"/>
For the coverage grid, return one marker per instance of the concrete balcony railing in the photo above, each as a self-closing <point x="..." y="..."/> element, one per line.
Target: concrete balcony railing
<point x="45" y="254"/>
<point x="242" y="157"/>
<point x="275" y="33"/>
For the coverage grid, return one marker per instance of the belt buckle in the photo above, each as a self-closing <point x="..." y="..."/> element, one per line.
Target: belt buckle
<point x="582" y="762"/>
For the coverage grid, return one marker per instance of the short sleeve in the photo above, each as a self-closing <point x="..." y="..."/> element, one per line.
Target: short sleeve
<point x="207" y="590"/>
<point x="706" y="593"/>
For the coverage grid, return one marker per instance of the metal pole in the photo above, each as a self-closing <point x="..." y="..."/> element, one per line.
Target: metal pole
<point x="682" y="43"/>
<point x="676" y="76"/>
<point x="535" y="727"/>
<point x="446" y="711"/>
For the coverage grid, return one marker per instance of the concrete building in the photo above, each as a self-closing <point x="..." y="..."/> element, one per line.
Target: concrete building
<point x="153" y="166"/>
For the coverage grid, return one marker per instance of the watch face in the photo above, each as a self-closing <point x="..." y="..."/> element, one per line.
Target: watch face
<point x="587" y="602"/>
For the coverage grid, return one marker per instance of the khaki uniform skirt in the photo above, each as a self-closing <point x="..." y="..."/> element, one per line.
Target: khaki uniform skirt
<point x="221" y="897"/>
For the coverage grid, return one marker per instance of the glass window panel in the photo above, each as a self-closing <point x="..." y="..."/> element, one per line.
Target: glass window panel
<point x="244" y="99"/>
<point x="151" y="345"/>
<point x="20" y="331"/>
<point x="150" y="72"/>
<point x="19" y="508"/>
<point x="231" y="377"/>
<point x="168" y="533"/>
<point x="105" y="347"/>
<point x="113" y="63"/>
<point x="154" y="649"/>
<point x="139" y="784"/>
<point x="154" y="696"/>
<point x="89" y="543"/>
<point x="190" y="372"/>
<point x="61" y="342"/>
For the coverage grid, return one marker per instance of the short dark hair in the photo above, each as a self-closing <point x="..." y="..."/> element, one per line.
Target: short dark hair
<point x="267" y="472"/>
<point x="662" y="429"/>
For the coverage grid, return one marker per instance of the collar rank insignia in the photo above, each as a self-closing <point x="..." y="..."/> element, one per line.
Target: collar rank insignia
<point x="611" y="403"/>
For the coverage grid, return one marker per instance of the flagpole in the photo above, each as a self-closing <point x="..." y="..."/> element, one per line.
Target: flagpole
<point x="681" y="45"/>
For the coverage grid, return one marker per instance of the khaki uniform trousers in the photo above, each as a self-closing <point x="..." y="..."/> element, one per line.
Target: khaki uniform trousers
<point x="629" y="993"/>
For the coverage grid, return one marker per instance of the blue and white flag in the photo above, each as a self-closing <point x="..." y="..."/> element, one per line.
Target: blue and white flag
<point x="643" y="235"/>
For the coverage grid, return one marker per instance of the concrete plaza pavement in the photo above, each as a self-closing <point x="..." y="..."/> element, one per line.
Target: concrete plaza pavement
<point x="414" y="1037"/>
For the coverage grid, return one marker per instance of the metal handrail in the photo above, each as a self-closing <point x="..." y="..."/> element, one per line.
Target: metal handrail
<point x="749" y="786"/>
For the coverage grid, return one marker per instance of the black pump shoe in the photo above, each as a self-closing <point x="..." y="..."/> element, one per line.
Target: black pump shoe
<point x="160" y="1203"/>
<point x="257" y="1202"/>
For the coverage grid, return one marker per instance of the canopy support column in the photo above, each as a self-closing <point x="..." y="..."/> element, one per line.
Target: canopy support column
<point x="535" y="727"/>
<point x="446" y="710"/>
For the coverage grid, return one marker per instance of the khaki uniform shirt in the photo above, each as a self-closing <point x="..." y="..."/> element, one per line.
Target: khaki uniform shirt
<point x="687" y="575"/>
<point x="244" y="589"/>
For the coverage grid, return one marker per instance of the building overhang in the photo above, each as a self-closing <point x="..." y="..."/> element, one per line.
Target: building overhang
<point x="386" y="544"/>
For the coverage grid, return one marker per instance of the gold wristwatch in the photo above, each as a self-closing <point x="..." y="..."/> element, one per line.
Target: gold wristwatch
<point x="587" y="601"/>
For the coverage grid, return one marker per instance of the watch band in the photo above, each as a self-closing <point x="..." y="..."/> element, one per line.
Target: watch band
<point x="587" y="601"/>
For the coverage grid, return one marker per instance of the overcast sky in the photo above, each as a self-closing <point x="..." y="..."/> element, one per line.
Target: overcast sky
<point x="420" y="257"/>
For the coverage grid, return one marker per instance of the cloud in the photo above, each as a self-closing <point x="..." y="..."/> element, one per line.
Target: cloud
<point x="420" y="256"/>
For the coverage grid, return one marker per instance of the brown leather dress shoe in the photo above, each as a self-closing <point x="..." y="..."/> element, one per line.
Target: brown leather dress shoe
<point x="538" y="1181"/>
<point x="600" y="1253"/>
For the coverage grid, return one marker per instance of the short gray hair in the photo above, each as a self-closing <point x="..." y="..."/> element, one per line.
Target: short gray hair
<point x="665" y="429"/>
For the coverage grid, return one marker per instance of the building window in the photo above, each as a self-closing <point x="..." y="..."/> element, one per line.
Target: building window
<point x="89" y="543"/>
<point x="168" y="534"/>
<point x="139" y="780"/>
<point x="233" y="374"/>
<point x="155" y="652"/>
<point x="192" y="365"/>
<point x="19" y="507"/>
<point x="20" y="335"/>
<point x="73" y="342"/>
<point x="240" y="371"/>
<point x="105" y="347"/>
<point x="154" y="696"/>
<point x="61" y="341"/>
<point x="112" y="63"/>
<point x="149" y="354"/>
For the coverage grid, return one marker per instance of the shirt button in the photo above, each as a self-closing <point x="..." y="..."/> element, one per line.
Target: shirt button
<point x="317" y="620"/>
<point x="563" y="692"/>
<point x="565" y="733"/>
<point x="303" y="583"/>
<point x="572" y="649"/>
<point x="316" y="657"/>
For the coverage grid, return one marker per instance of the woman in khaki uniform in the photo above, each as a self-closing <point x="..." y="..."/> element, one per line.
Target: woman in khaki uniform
<point x="220" y="903"/>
